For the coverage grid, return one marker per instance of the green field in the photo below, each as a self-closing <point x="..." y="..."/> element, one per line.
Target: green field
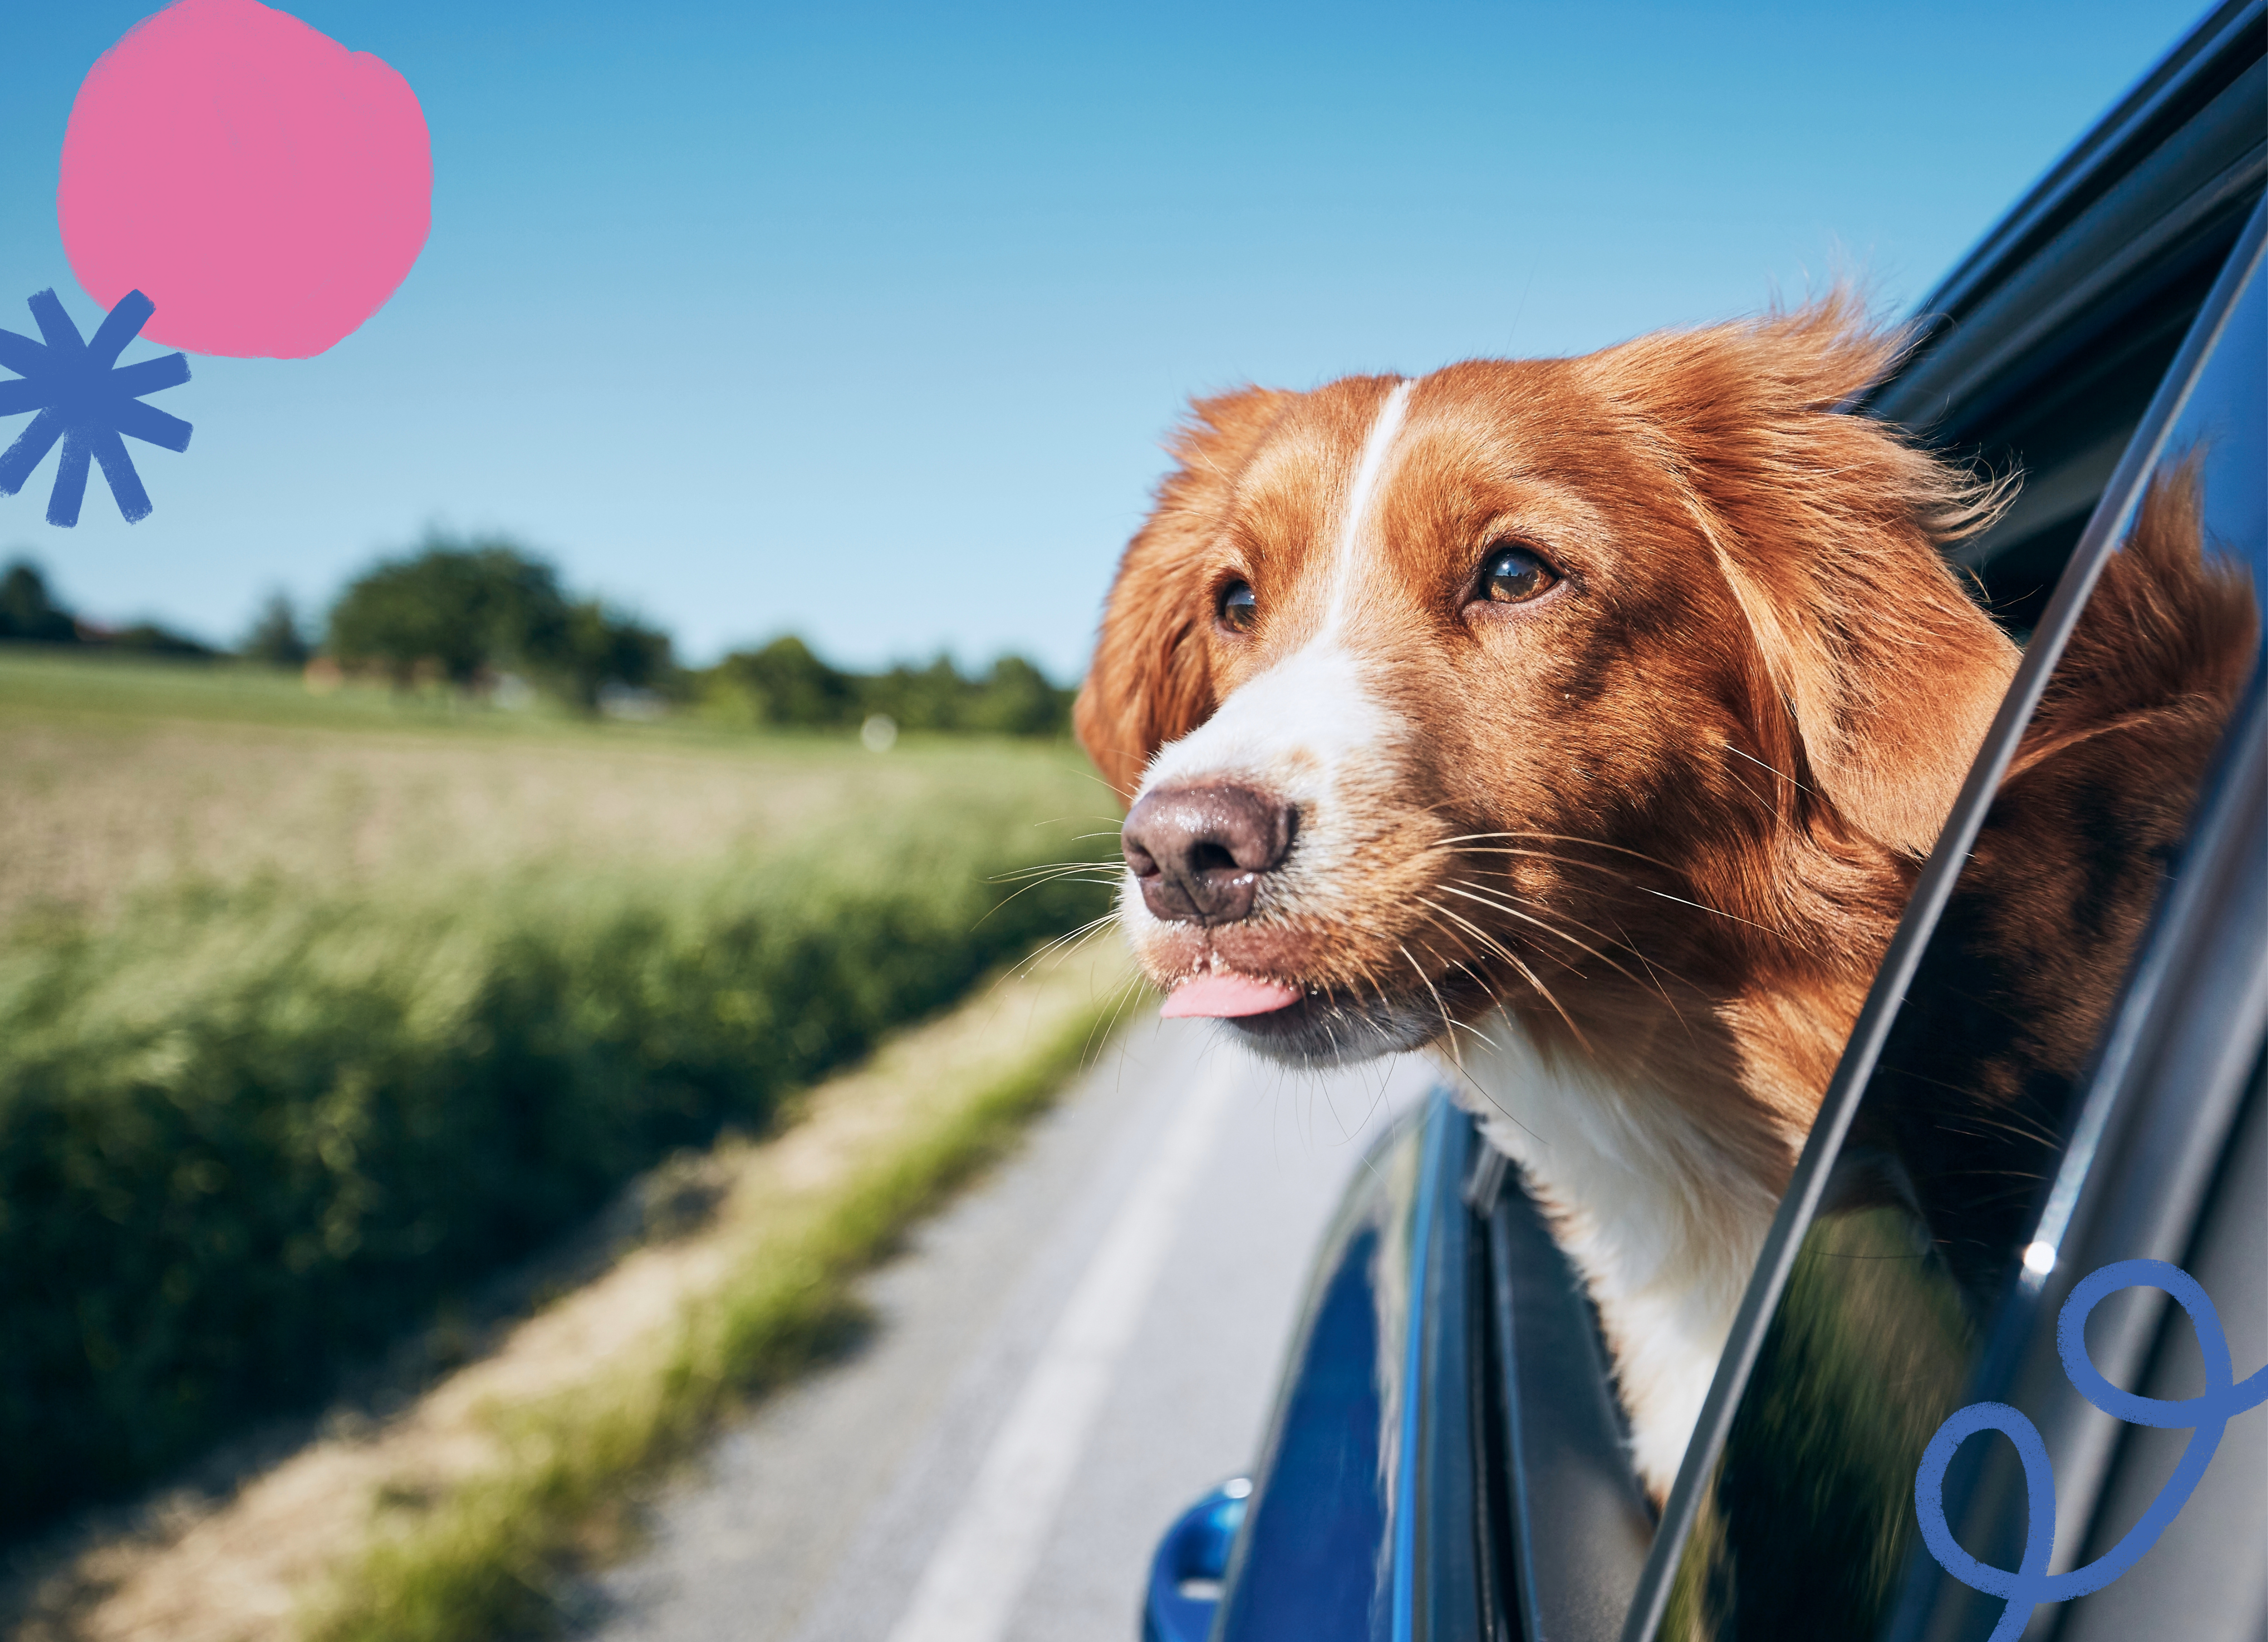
<point x="118" y="776"/>
<point x="312" y="1008"/>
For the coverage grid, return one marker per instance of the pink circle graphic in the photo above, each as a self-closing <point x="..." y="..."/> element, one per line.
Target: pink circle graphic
<point x="265" y="186"/>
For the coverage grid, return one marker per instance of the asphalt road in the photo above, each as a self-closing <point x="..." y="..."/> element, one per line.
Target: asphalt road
<point x="1062" y="1361"/>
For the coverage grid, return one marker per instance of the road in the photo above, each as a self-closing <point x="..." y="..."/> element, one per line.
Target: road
<point x="1061" y="1360"/>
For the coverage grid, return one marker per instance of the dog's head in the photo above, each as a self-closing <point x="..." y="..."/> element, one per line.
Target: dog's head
<point x="1638" y="669"/>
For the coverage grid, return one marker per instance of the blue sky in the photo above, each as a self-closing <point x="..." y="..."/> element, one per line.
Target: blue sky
<point x="865" y="320"/>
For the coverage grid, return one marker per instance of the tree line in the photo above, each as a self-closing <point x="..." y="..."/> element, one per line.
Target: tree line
<point x="483" y="616"/>
<point x="29" y="614"/>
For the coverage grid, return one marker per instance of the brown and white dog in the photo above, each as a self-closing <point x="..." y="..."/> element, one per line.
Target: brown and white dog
<point x="1586" y="719"/>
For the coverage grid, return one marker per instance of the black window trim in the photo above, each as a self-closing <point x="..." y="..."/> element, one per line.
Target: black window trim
<point x="2189" y="76"/>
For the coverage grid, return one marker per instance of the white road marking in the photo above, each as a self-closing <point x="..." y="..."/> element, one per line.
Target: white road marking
<point x="969" y="1589"/>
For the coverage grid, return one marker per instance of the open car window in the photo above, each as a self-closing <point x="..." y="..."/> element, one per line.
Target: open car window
<point x="1969" y="1159"/>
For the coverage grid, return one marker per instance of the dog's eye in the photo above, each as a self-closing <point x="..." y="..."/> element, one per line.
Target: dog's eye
<point x="1514" y="576"/>
<point x="1239" y="608"/>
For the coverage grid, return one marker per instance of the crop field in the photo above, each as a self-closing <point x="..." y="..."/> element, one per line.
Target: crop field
<point x="313" y="1008"/>
<point x="118" y="777"/>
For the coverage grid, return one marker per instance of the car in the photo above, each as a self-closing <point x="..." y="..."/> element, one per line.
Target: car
<point x="1447" y="1458"/>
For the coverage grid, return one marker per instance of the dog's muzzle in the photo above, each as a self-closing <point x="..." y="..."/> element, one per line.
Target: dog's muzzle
<point x="1198" y="851"/>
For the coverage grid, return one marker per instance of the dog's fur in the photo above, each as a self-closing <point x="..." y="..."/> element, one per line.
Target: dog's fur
<point x="1627" y="855"/>
<point x="2022" y="972"/>
<point x="1962" y="1118"/>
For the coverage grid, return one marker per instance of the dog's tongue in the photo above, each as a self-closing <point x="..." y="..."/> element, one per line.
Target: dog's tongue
<point x="1224" y="996"/>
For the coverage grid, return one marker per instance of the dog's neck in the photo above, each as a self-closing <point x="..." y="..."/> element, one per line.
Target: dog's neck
<point x="1660" y="1205"/>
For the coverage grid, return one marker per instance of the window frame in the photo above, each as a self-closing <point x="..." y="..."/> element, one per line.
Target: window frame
<point x="1810" y="1183"/>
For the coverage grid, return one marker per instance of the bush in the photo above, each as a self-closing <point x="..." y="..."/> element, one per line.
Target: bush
<point x="150" y="638"/>
<point x="274" y="638"/>
<point x="1015" y="698"/>
<point x="246" y="1137"/>
<point x="785" y="684"/>
<point x="599" y="647"/>
<point x="29" y="614"/>
<point x="782" y="684"/>
<point x="28" y="611"/>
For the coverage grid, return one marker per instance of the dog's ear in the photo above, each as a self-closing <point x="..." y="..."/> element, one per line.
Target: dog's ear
<point x="1150" y="682"/>
<point x="2168" y="627"/>
<point x="1881" y="671"/>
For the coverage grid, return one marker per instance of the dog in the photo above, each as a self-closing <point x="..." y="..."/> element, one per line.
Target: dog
<point x="1586" y="720"/>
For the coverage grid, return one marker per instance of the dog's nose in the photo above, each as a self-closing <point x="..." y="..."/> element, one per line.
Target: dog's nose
<point x="1198" y="851"/>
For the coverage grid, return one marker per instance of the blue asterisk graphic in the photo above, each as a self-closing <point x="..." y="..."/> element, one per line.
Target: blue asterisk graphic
<point x="87" y="400"/>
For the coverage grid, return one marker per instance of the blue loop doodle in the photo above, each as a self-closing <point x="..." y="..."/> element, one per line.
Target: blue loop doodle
<point x="2204" y="1417"/>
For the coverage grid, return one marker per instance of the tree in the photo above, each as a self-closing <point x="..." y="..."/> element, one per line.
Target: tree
<point x="1014" y="699"/>
<point x="784" y="684"/>
<point x="601" y="646"/>
<point x="461" y="608"/>
<point x="918" y="698"/>
<point x="1017" y="700"/>
<point x="28" y="611"/>
<point x="274" y="636"/>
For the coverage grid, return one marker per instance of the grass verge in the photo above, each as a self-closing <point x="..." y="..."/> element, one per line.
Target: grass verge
<point x="487" y="1559"/>
<point x="248" y="1136"/>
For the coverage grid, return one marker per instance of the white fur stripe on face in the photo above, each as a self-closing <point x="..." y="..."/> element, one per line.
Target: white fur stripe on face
<point x="1295" y="726"/>
<point x="1290" y="729"/>
<point x="1369" y="470"/>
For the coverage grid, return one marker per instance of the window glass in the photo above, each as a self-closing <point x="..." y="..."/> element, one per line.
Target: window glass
<point x="1807" y="1524"/>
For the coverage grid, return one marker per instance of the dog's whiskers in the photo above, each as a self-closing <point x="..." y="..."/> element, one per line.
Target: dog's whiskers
<point x="1683" y="1025"/>
<point x="1448" y="1026"/>
<point x="1472" y="892"/>
<point x="1633" y="883"/>
<point x="1719" y="911"/>
<point x="1620" y="938"/>
<point x="1385" y="1006"/>
<point x="1054" y="869"/>
<point x="1077" y="937"/>
<point x="1041" y="877"/>
<point x="1120" y="995"/>
<point x="1760" y="765"/>
<point x="1757" y="798"/>
<point x="1559" y="838"/>
<point x="1512" y="958"/>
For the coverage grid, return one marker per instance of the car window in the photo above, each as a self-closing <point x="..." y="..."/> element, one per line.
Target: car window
<point x="1314" y="1558"/>
<point x="1925" y="1205"/>
<point x="1366" y="1507"/>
